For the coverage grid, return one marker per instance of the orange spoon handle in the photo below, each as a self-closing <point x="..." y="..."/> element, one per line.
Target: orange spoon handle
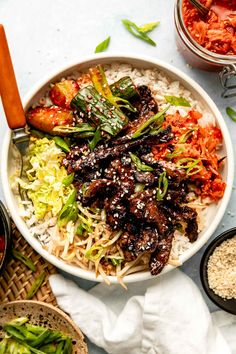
<point x="8" y="87"/>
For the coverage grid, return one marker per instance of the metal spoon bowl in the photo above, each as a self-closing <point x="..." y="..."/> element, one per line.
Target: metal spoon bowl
<point x="202" y="9"/>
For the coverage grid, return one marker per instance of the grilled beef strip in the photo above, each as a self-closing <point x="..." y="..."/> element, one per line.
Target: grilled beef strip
<point x="160" y="256"/>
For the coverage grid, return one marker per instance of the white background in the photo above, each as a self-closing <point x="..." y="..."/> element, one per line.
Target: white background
<point x="46" y="34"/>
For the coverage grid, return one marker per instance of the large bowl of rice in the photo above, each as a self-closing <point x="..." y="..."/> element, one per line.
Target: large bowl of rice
<point x="163" y="79"/>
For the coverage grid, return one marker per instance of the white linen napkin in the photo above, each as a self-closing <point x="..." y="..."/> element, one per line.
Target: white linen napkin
<point x="165" y="315"/>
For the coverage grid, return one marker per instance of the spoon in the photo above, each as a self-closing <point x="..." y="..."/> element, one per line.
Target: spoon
<point x="9" y="93"/>
<point x="200" y="7"/>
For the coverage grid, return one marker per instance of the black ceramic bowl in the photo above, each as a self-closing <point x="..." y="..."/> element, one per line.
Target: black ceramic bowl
<point x="5" y="232"/>
<point x="228" y="305"/>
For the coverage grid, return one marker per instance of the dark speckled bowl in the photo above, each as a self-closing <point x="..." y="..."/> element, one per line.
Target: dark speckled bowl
<point x="228" y="305"/>
<point x="5" y="230"/>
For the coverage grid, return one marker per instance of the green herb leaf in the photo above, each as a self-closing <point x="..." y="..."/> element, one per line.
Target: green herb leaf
<point x="162" y="186"/>
<point x="148" y="27"/>
<point x="177" y="101"/>
<point x="138" y="163"/>
<point x="231" y="113"/>
<point x="134" y="30"/>
<point x="101" y="47"/>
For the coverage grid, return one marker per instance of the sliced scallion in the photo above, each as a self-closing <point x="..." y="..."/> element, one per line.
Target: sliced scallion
<point x="162" y="186"/>
<point x="101" y="47"/>
<point x="231" y="113"/>
<point x="177" y="101"/>
<point x="138" y="32"/>
<point x="157" y="118"/>
<point x="191" y="165"/>
<point x="138" y="163"/>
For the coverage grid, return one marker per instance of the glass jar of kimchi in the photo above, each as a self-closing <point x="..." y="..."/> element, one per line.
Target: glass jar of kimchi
<point x="209" y="42"/>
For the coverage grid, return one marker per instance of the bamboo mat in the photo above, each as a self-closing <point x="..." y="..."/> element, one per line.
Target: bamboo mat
<point x="17" y="279"/>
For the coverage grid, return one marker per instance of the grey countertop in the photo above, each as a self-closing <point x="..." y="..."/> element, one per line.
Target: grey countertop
<point x="44" y="35"/>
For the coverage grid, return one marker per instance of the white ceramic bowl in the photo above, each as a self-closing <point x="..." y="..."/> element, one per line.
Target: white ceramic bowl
<point x="214" y="213"/>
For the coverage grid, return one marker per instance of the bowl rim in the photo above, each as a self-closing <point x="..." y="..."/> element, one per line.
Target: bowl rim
<point x="216" y="242"/>
<point x="5" y="220"/>
<point x="169" y="70"/>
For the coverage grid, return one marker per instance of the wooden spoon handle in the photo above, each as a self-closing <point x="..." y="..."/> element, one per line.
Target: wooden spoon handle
<point x="8" y="87"/>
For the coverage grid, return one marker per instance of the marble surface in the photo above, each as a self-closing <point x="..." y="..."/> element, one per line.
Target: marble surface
<point x="44" y="35"/>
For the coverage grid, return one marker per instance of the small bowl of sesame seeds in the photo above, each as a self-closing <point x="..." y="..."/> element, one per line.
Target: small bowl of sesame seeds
<point x="218" y="271"/>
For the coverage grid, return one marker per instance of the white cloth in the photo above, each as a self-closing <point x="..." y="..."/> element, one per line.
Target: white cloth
<point x="165" y="315"/>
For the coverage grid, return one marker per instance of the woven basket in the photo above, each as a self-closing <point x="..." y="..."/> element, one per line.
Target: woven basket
<point x="17" y="279"/>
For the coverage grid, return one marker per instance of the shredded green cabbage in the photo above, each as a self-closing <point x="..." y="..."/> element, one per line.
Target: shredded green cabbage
<point x="44" y="177"/>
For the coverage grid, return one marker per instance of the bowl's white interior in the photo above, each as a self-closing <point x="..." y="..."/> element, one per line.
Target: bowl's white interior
<point x="214" y="213"/>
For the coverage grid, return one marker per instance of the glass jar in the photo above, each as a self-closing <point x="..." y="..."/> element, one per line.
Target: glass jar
<point x="199" y="57"/>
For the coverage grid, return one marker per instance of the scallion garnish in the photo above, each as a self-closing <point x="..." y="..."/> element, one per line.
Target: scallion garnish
<point x="95" y="253"/>
<point x="187" y="135"/>
<point x="157" y="118"/>
<point x="116" y="261"/>
<point x="96" y="138"/>
<point x="177" y="101"/>
<point x="148" y="27"/>
<point x="231" y="113"/>
<point x="190" y="165"/>
<point x="140" y="31"/>
<point x="69" y="212"/>
<point x="162" y="186"/>
<point x="101" y="47"/>
<point x="175" y="153"/>
<point x="68" y="179"/>
<point x="138" y="163"/>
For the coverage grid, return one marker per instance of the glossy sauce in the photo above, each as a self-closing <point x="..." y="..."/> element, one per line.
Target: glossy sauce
<point x="217" y="31"/>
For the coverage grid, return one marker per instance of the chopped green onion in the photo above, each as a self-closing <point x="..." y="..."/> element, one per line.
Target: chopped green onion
<point x="69" y="212"/>
<point x="175" y="153"/>
<point x="138" y="163"/>
<point x="139" y="187"/>
<point x="95" y="253"/>
<point x="116" y="261"/>
<point x="101" y="47"/>
<point x="68" y="179"/>
<point x="148" y="27"/>
<point x="177" y="101"/>
<point x="162" y="186"/>
<point x="96" y="138"/>
<point x="157" y="118"/>
<point x="231" y="113"/>
<point x="24" y="259"/>
<point x="61" y="143"/>
<point x="138" y="31"/>
<point x="187" y="135"/>
<point x="80" y="229"/>
<point x="36" y="285"/>
<point x="191" y="165"/>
